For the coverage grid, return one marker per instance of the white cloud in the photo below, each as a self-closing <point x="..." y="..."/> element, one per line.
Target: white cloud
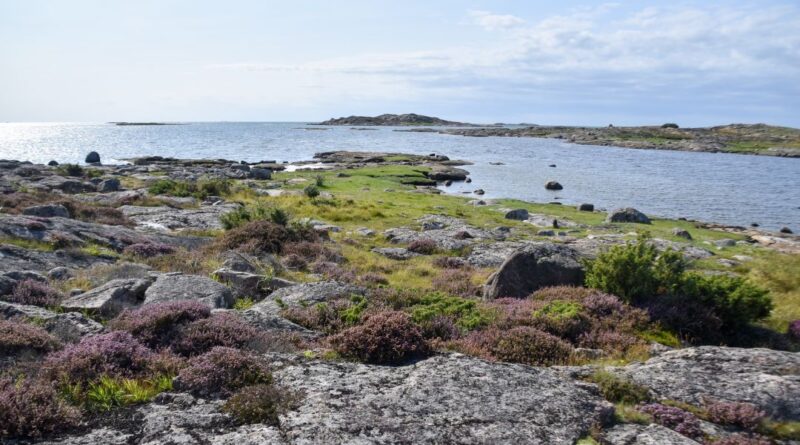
<point x="491" y="22"/>
<point x="652" y="52"/>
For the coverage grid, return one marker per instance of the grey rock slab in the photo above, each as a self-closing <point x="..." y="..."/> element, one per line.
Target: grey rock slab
<point x="14" y="258"/>
<point x="177" y="286"/>
<point x="306" y="294"/>
<point x="111" y="298"/>
<point x="634" y="434"/>
<point x="449" y="398"/>
<point x="47" y="211"/>
<point x="767" y="378"/>
<point x="68" y="327"/>
<point x="395" y="253"/>
<point x="165" y="218"/>
<point x="533" y="267"/>
<point x="105" y="436"/>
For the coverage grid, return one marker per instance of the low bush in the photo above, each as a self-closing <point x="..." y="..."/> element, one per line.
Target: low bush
<point x="691" y="320"/>
<point x="674" y="418"/>
<point x="35" y="293"/>
<point x="384" y="338"/>
<point x="245" y="214"/>
<point x="456" y="282"/>
<point x="33" y="408"/>
<point x="223" y="329"/>
<point x="742" y="415"/>
<point x="262" y="236"/>
<point x="670" y="125"/>
<point x="312" y="252"/>
<point x="69" y="170"/>
<point x="734" y="300"/>
<point x="635" y="271"/>
<point x="741" y="439"/>
<point x="115" y="354"/>
<point x="260" y="404"/>
<point x="221" y="371"/>
<point x="19" y="337"/>
<point x="466" y="313"/>
<point x="440" y="328"/>
<point x="311" y="191"/>
<point x="449" y="262"/>
<point x="201" y="189"/>
<point x="148" y="250"/>
<point x="424" y="246"/>
<point x="95" y="214"/>
<point x="522" y="344"/>
<point x="793" y="331"/>
<point x="619" y="389"/>
<point x="159" y="325"/>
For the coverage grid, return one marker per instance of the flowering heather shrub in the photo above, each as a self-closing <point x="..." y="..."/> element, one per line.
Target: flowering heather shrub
<point x="18" y="337"/>
<point x="114" y="354"/>
<point x="743" y="415"/>
<point x="148" y="250"/>
<point x="372" y="279"/>
<point x="260" y="404"/>
<point x="223" y="329"/>
<point x="312" y="251"/>
<point x="265" y="237"/>
<point x="794" y="330"/>
<point x="741" y="439"/>
<point x="33" y="408"/>
<point x="294" y="262"/>
<point x="522" y="344"/>
<point x="333" y="271"/>
<point x="674" y="418"/>
<point x="385" y="338"/>
<point x="514" y="312"/>
<point x="221" y="371"/>
<point x="35" y="293"/>
<point x="323" y="317"/>
<point x="424" y="246"/>
<point x="441" y="328"/>
<point x="563" y="293"/>
<point x="608" y="340"/>
<point x="96" y="214"/>
<point x="159" y="325"/>
<point x="449" y="262"/>
<point x="456" y="282"/>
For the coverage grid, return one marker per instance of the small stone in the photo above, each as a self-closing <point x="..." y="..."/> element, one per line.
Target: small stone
<point x="479" y="192"/>
<point x="448" y="183"/>
<point x="553" y="185"/>
<point x="93" y="158"/>
<point x="108" y="185"/>
<point x="586" y="207"/>
<point x="468" y="180"/>
<point x="258" y="173"/>
<point x="725" y="243"/>
<point x="517" y="214"/>
<point x="58" y="273"/>
<point x="545" y="233"/>
<point x="786" y="230"/>
<point x="52" y="163"/>
<point x="628" y="215"/>
<point x="681" y="233"/>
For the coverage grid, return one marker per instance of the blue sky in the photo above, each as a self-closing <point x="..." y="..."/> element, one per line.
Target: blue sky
<point x="566" y="62"/>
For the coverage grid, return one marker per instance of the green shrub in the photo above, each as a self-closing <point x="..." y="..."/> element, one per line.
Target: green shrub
<point x="319" y="181"/>
<point x="312" y="191"/>
<point x="635" y="271"/>
<point x="559" y="310"/>
<point x="245" y="214"/>
<point x="618" y="389"/>
<point x="734" y="300"/>
<point x="69" y="170"/>
<point x="465" y="311"/>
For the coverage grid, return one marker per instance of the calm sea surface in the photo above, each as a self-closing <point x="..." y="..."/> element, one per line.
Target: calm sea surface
<point x="725" y="188"/>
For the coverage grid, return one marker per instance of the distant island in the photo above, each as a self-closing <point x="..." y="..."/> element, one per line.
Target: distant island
<point x="125" y="124"/>
<point x="394" y="120"/>
<point x="759" y="139"/>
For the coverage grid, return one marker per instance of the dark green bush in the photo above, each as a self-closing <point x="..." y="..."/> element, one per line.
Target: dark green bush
<point x="69" y="170"/>
<point x="670" y="125"/>
<point x="636" y="271"/>
<point x="312" y="191"/>
<point x="618" y="389"/>
<point x="734" y="300"/>
<point x="245" y="214"/>
<point x="263" y="236"/>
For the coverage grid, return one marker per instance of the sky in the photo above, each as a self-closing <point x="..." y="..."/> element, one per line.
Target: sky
<point x="697" y="63"/>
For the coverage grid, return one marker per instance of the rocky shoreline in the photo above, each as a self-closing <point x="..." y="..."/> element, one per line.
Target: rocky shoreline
<point x="362" y="306"/>
<point x="757" y="139"/>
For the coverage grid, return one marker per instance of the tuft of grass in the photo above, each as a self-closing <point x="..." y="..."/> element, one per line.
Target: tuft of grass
<point x="619" y="389"/>
<point x="243" y="303"/>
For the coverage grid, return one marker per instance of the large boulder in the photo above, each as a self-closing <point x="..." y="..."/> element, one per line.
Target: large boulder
<point x="517" y="214"/>
<point x="627" y="215"/>
<point x="533" y="267"/>
<point x="177" y="286"/>
<point x="109" y="299"/>
<point x="93" y="158"/>
<point x="766" y="378"/>
<point x="306" y="294"/>
<point x="553" y="185"/>
<point x="47" y="211"/>
<point x="108" y="185"/>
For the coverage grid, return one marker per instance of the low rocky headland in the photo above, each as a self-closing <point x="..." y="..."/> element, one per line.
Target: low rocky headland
<point x="734" y="138"/>
<point x="351" y="301"/>
<point x="398" y="120"/>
